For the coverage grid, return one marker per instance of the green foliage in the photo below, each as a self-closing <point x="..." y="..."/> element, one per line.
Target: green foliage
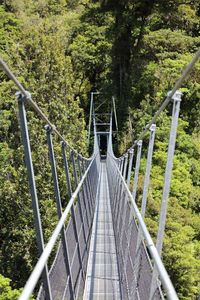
<point x="181" y="244"/>
<point x="147" y="59"/>
<point x="60" y="51"/>
<point x="8" y="28"/>
<point x="6" y="291"/>
<point x="89" y="53"/>
<point x="181" y="258"/>
<point x="182" y="235"/>
<point x="37" y="55"/>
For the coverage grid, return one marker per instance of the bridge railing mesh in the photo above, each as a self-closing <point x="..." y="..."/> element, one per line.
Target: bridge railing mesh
<point x="58" y="276"/>
<point x="66" y="277"/>
<point x="136" y="251"/>
<point x="140" y="266"/>
<point x="135" y="267"/>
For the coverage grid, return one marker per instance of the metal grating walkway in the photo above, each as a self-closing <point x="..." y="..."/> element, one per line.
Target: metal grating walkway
<point x="102" y="280"/>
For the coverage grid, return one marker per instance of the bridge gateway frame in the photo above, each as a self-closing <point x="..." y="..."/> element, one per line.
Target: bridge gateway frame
<point x="86" y="189"/>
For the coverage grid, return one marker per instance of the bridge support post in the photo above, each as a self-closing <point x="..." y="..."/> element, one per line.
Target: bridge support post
<point x="90" y="185"/>
<point x="122" y="164"/>
<point x="148" y="169"/>
<point x="125" y="166"/>
<point x="122" y="209"/>
<point x="168" y="171"/>
<point x="131" y="152"/>
<point x="78" y="196"/>
<point x="84" y="196"/>
<point x="32" y="185"/>
<point x="59" y="207"/>
<point x="121" y="202"/>
<point x="137" y="167"/>
<point x="117" y="190"/>
<point x="88" y="193"/>
<point x="114" y="186"/>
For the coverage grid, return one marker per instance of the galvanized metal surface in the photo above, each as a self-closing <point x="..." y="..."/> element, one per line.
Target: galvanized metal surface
<point x="167" y="180"/>
<point x="120" y="264"/>
<point x="135" y="263"/>
<point x="33" y="190"/>
<point x="58" y="277"/>
<point x="102" y="280"/>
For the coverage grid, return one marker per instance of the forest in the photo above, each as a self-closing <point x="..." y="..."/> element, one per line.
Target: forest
<point x="61" y="51"/>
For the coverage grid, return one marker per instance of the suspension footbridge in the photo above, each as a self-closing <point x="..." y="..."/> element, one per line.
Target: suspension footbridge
<point x="105" y="250"/>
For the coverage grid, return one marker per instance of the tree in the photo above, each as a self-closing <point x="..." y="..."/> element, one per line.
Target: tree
<point x="37" y="56"/>
<point x="6" y="291"/>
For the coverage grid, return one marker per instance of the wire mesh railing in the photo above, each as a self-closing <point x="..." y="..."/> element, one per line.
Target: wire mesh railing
<point x="65" y="279"/>
<point x="77" y="238"/>
<point x="135" y="265"/>
<point x="142" y="273"/>
<point x="71" y="258"/>
<point x="141" y="268"/>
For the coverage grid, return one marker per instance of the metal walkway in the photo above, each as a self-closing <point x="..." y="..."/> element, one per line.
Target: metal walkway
<point x="105" y="251"/>
<point x="102" y="280"/>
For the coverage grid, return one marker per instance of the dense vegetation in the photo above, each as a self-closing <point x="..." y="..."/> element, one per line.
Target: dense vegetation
<point x="62" y="50"/>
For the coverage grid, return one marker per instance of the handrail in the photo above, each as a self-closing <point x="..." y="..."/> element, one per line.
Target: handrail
<point x="170" y="291"/>
<point x="35" y="275"/>
<point x="34" y="105"/>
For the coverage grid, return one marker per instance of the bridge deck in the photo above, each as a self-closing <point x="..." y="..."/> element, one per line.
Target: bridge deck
<point x="102" y="280"/>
